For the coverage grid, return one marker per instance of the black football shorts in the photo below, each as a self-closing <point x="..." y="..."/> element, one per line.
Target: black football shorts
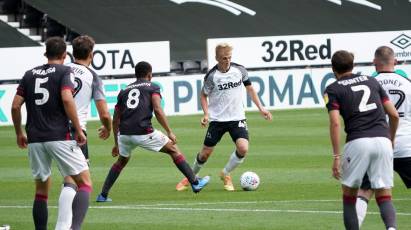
<point x="216" y="130"/>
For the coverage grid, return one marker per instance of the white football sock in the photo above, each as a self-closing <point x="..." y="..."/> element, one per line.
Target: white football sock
<point x="197" y="167"/>
<point x="65" y="211"/>
<point x="361" y="207"/>
<point x="232" y="163"/>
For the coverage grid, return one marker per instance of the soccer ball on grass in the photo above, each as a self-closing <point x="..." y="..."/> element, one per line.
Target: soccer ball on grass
<point x="249" y="181"/>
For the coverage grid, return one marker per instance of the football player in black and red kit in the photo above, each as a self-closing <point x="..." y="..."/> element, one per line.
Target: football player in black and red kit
<point x="46" y="91"/>
<point x="363" y="104"/>
<point x="132" y="127"/>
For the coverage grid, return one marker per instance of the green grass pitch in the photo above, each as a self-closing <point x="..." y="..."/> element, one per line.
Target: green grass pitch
<point x="291" y="154"/>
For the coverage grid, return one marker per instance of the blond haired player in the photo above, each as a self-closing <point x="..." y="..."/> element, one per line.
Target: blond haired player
<point x="221" y="100"/>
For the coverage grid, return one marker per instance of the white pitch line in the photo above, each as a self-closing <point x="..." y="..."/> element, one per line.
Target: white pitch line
<point x="127" y="207"/>
<point x="156" y="207"/>
<point x="251" y="202"/>
<point x="235" y="210"/>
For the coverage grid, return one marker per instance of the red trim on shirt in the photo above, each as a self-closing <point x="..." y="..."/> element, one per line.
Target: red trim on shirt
<point x="335" y="105"/>
<point x="385" y="99"/>
<point x="68" y="136"/>
<point x="117" y="108"/>
<point x="156" y="94"/>
<point x="69" y="88"/>
<point x="20" y="91"/>
<point x="149" y="130"/>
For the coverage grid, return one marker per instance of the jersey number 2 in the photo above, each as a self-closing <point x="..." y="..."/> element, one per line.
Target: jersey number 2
<point x="132" y="98"/>
<point x="401" y="99"/>
<point x="363" y="106"/>
<point x="43" y="91"/>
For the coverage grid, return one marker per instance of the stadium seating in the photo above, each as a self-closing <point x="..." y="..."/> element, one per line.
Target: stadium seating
<point x="188" y="25"/>
<point x="176" y="67"/>
<point x="190" y="66"/>
<point x="204" y="65"/>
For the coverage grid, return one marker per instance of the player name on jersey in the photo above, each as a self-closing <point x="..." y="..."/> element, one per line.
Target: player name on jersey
<point x="353" y="80"/>
<point x="390" y="82"/>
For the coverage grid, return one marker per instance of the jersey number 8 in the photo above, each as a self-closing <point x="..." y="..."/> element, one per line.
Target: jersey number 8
<point x="132" y="100"/>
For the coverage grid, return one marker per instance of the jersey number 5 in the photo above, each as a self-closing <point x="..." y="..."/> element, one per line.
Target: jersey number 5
<point x="363" y="106"/>
<point x="132" y="98"/>
<point x="43" y="91"/>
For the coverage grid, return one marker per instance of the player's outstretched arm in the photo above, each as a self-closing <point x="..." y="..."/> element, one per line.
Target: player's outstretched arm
<point x="16" y="116"/>
<point x="161" y="117"/>
<point x="265" y="113"/>
<point x="393" y="118"/>
<point x="204" y="105"/>
<point x="116" y="122"/>
<point x="105" y="119"/>
<point x="70" y="108"/>
<point x="334" y="116"/>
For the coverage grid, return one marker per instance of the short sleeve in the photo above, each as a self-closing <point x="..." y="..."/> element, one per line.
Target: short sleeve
<point x="331" y="99"/>
<point x="156" y="90"/>
<point x="208" y="85"/>
<point x="67" y="79"/>
<point x="21" y="89"/>
<point x="117" y="107"/>
<point x="383" y="94"/>
<point x="97" y="88"/>
<point x="244" y="74"/>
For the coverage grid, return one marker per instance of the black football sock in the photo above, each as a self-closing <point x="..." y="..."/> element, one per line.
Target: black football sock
<point x="80" y="206"/>
<point x="40" y="212"/>
<point x="183" y="166"/>
<point x="350" y="213"/>
<point x="387" y="211"/>
<point x="111" y="178"/>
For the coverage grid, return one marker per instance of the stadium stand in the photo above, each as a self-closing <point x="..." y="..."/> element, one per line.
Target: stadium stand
<point x="176" y="67"/>
<point x="10" y="37"/>
<point x="188" y="25"/>
<point x="204" y="65"/>
<point x="190" y="66"/>
<point x="10" y="6"/>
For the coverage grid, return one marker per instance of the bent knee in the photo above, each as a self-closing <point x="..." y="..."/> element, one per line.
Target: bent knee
<point x="242" y="150"/>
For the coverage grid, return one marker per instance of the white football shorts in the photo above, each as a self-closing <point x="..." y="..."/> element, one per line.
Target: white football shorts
<point x="373" y="156"/>
<point x="154" y="141"/>
<point x="67" y="154"/>
<point x="402" y="147"/>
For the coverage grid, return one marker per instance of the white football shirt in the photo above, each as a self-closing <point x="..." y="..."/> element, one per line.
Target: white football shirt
<point x="398" y="89"/>
<point x="87" y="86"/>
<point x="225" y="93"/>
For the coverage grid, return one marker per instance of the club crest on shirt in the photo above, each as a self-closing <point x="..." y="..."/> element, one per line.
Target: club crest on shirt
<point x="325" y="96"/>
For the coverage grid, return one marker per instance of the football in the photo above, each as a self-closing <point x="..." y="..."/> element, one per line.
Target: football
<point x="249" y="181"/>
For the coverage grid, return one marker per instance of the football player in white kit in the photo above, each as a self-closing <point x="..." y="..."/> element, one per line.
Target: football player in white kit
<point x="88" y="86"/>
<point x="224" y="111"/>
<point x="398" y="89"/>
